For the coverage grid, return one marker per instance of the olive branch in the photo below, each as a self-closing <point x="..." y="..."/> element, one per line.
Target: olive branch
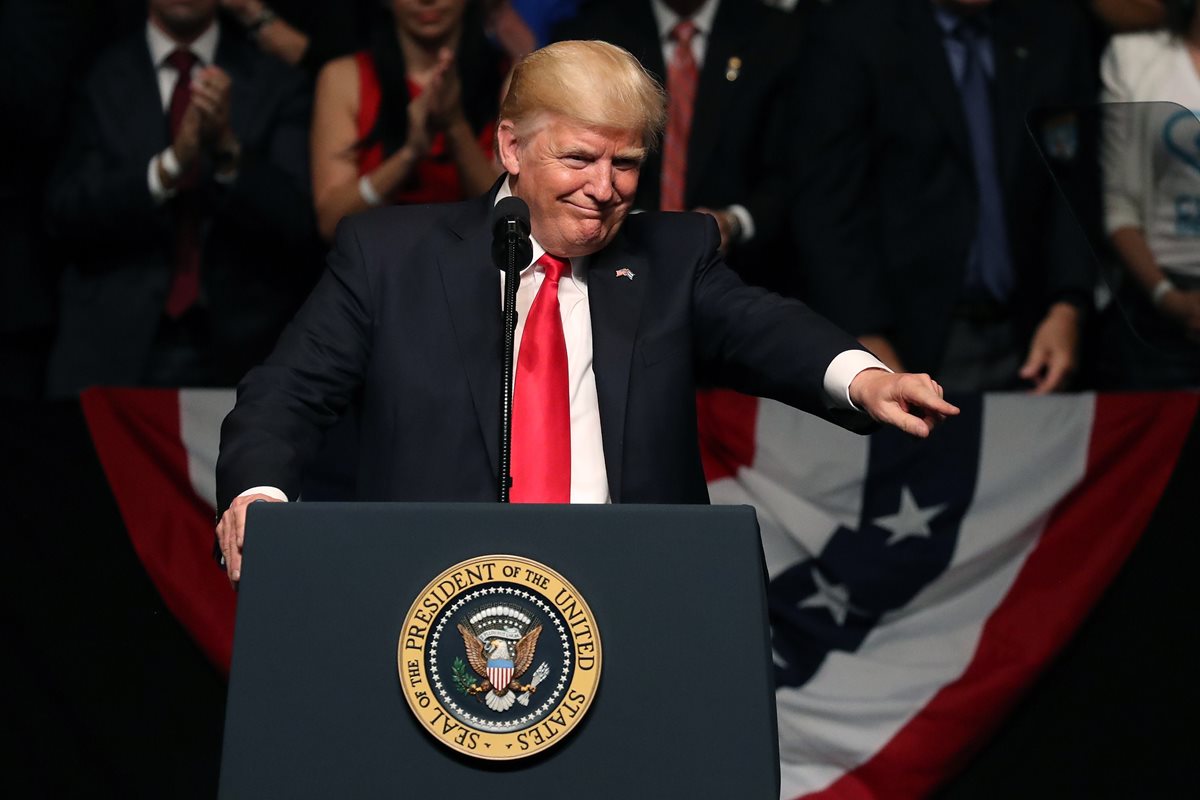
<point x="463" y="681"/>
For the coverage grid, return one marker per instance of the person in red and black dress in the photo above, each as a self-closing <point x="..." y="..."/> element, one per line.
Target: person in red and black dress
<point x="412" y="119"/>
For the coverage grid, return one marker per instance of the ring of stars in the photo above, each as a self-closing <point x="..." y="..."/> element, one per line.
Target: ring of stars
<point x="534" y="715"/>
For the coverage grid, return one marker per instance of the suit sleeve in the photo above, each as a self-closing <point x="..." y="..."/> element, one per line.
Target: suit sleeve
<point x="95" y="197"/>
<point x="759" y="343"/>
<point x="836" y="219"/>
<point x="285" y="405"/>
<point x="770" y="198"/>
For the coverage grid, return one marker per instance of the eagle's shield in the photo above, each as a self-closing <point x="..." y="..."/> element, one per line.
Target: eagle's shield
<point x="500" y="672"/>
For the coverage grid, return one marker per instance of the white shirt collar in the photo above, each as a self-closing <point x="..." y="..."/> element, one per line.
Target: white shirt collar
<point x="668" y="19"/>
<point x="162" y="45"/>
<point x="578" y="264"/>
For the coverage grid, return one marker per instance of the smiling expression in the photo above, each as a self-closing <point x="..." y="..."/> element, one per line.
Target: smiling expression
<point x="579" y="181"/>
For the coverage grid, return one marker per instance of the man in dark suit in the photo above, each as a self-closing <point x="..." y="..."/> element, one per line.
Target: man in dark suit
<point x="619" y="320"/>
<point x="182" y="199"/>
<point x="927" y="224"/>
<point x="726" y="67"/>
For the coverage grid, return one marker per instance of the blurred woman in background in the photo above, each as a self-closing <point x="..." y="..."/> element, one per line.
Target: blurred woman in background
<point x="412" y="119"/>
<point x="1151" y="154"/>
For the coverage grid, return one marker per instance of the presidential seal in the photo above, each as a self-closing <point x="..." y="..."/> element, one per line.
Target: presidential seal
<point x="499" y="657"/>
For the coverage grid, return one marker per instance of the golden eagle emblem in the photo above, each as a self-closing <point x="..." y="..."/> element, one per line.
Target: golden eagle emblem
<point x="500" y="643"/>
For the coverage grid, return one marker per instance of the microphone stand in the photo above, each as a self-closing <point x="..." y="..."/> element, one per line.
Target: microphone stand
<point x="512" y="277"/>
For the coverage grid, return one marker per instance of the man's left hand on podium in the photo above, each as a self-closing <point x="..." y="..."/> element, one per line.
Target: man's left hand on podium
<point x="231" y="532"/>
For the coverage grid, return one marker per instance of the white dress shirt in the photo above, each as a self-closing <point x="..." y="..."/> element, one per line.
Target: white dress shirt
<point x="204" y="47"/>
<point x="589" y="475"/>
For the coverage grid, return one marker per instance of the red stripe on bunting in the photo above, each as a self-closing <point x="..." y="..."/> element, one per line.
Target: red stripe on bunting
<point x="1136" y="442"/>
<point x="726" y="422"/>
<point x="137" y="438"/>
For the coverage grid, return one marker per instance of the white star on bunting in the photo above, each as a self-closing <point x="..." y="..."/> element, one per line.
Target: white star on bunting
<point x="834" y="597"/>
<point x="910" y="519"/>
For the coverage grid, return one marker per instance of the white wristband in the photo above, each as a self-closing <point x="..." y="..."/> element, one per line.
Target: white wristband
<point x="1160" y="291"/>
<point x="367" y="192"/>
<point x="169" y="163"/>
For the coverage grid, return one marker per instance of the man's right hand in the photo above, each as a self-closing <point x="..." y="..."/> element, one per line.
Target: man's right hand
<point x="231" y="532"/>
<point x="186" y="145"/>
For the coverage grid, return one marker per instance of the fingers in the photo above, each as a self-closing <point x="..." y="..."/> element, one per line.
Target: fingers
<point x="927" y="394"/>
<point x="1048" y="368"/>
<point x="911" y="424"/>
<point x="210" y="93"/>
<point x="231" y="532"/>
<point x="228" y="537"/>
<point x="1057" y="369"/>
<point x="1033" y="364"/>
<point x="913" y="403"/>
<point x="235" y="538"/>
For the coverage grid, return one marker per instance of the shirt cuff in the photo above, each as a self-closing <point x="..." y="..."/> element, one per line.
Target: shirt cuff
<point x="159" y="193"/>
<point x="269" y="491"/>
<point x="745" y="220"/>
<point x="842" y="371"/>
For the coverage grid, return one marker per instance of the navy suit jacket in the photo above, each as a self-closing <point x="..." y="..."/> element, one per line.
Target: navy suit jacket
<point x="406" y="324"/>
<point x="887" y="199"/>
<point x="258" y="234"/>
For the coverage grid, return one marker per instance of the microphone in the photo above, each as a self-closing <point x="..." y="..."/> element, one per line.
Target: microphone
<point x="511" y="251"/>
<point x="510" y="226"/>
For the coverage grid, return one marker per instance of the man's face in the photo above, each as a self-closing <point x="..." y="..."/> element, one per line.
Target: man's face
<point x="578" y="181"/>
<point x="183" y="18"/>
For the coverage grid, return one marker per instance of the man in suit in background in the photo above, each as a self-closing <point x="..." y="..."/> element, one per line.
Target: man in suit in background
<point x="726" y="66"/>
<point x="619" y="320"/>
<point x="927" y="224"/>
<point x="182" y="200"/>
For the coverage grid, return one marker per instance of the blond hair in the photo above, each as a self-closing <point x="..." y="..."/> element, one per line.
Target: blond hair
<point x="594" y="83"/>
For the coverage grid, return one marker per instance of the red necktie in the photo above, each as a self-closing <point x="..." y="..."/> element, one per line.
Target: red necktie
<point x="681" y="92"/>
<point x="185" y="281"/>
<point x="541" y="425"/>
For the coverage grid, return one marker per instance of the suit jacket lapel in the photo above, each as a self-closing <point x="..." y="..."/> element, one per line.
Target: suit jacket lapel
<point x="138" y="103"/>
<point x="472" y="291"/>
<point x="927" y="54"/>
<point x="616" y="306"/>
<point x="1011" y="48"/>
<point x="714" y="92"/>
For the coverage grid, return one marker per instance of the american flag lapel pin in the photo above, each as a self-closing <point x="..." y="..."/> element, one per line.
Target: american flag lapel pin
<point x="625" y="272"/>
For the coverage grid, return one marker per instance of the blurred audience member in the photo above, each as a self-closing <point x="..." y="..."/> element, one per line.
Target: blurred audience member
<point x="927" y="223"/>
<point x="1152" y="202"/>
<point x="726" y="66"/>
<point x="40" y="43"/>
<point x="411" y="120"/>
<point x="303" y="33"/>
<point x="182" y="197"/>
<point x="538" y="17"/>
<point x="510" y="30"/>
<point x="1129" y="15"/>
